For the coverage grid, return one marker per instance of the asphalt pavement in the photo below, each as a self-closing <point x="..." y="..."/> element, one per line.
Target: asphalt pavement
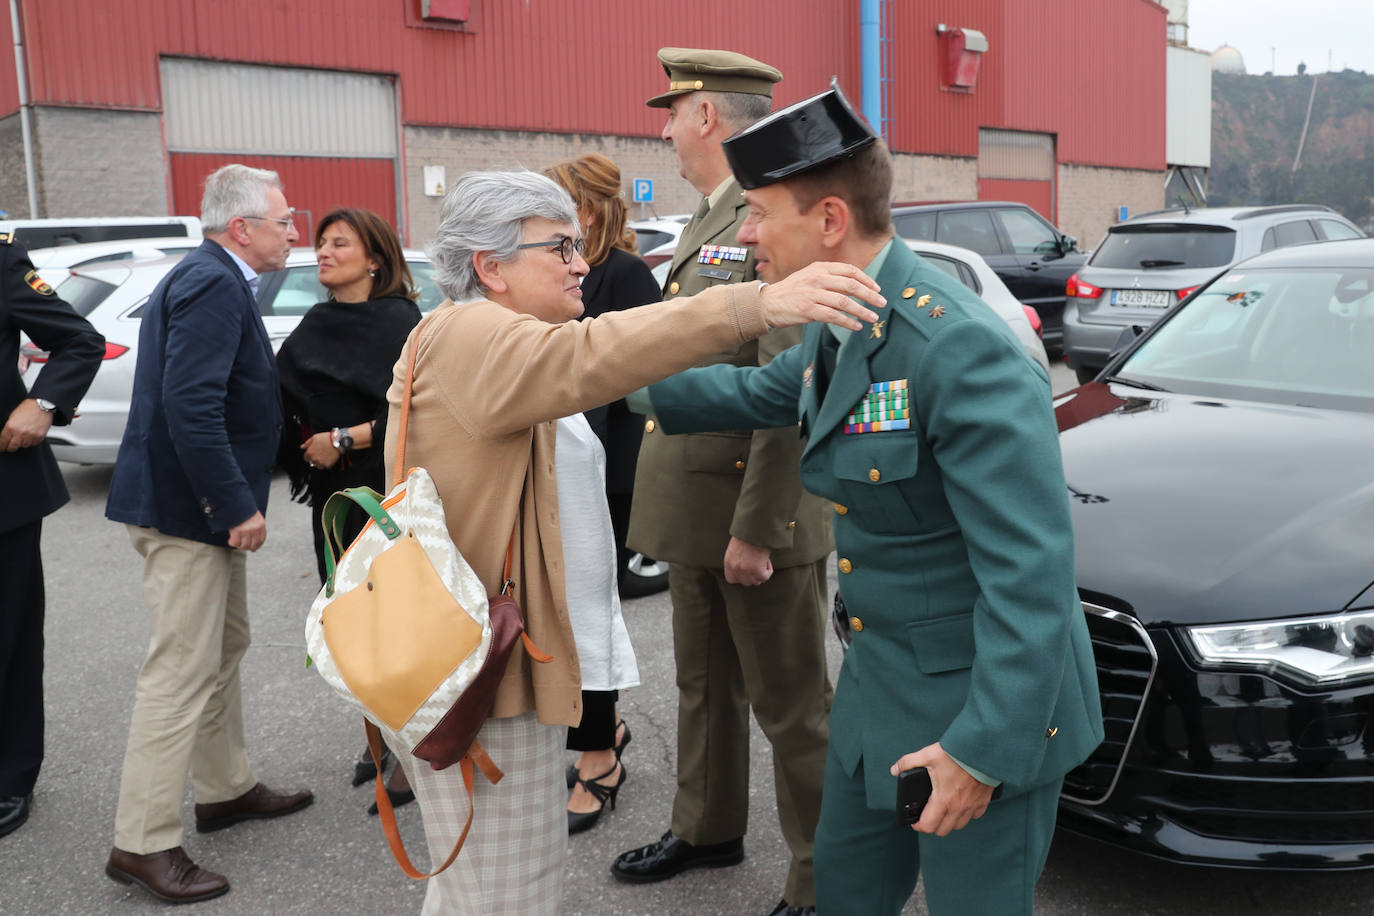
<point x="332" y="858"/>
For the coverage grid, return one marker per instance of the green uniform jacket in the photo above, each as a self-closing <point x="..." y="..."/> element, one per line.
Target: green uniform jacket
<point x="955" y="544"/>
<point x="693" y="493"/>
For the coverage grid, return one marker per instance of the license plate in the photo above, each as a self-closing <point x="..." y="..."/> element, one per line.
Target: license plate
<point x="1147" y="298"/>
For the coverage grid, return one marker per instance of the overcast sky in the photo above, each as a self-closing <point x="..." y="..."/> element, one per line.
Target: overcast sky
<point x="1296" y="30"/>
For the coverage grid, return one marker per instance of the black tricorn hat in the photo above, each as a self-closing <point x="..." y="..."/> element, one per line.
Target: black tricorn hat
<point x="800" y="137"/>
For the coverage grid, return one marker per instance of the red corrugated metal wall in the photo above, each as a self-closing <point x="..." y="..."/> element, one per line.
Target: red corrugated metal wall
<point x="1089" y="71"/>
<point x="9" y="84"/>
<point x="547" y="65"/>
<point x="312" y="183"/>
<point x="1036" y="194"/>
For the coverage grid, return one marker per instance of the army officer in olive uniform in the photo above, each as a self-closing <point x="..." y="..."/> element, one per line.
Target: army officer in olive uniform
<point x="932" y="433"/>
<point x="747" y="547"/>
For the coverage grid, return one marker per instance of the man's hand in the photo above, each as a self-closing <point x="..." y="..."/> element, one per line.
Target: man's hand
<point x="956" y="797"/>
<point x="822" y="292"/>
<point x="27" y="425"/>
<point x="747" y="564"/>
<point x="249" y="535"/>
<point x="320" y="451"/>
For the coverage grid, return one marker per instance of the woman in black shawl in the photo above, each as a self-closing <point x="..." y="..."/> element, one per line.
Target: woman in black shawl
<point x="335" y="370"/>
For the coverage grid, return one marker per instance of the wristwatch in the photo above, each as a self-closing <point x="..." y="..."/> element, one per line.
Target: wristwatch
<point x="341" y="439"/>
<point x="45" y="405"/>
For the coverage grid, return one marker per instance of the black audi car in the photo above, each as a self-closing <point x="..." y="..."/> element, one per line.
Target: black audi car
<point x="1221" y="471"/>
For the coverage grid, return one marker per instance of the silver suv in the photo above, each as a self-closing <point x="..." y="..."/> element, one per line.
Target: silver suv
<point x="1150" y="263"/>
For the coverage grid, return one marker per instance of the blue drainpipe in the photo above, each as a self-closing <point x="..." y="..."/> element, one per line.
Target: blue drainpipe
<point x="871" y="63"/>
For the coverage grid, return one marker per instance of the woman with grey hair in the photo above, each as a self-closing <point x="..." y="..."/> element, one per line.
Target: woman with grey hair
<point x="495" y="370"/>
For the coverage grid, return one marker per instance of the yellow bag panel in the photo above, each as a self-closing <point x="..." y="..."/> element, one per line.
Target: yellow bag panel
<point x="397" y="636"/>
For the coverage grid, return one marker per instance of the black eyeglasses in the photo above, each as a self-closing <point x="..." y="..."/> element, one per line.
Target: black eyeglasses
<point x="565" y="246"/>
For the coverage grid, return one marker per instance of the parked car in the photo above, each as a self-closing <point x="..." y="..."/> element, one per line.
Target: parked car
<point x="656" y="239"/>
<point x="112" y="296"/>
<point x="1151" y="262"/>
<point x="54" y="264"/>
<point x="1223" y="510"/>
<point x="1033" y="258"/>
<point x="48" y="233"/>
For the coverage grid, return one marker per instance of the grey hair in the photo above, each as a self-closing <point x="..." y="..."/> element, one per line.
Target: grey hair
<point x="235" y="190"/>
<point x="740" y="109"/>
<point x="486" y="211"/>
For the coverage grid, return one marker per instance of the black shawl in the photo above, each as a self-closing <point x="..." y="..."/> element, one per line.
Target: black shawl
<point x="335" y="371"/>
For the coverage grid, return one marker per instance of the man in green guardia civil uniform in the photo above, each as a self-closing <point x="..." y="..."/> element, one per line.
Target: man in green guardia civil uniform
<point x="746" y="546"/>
<point x="933" y="435"/>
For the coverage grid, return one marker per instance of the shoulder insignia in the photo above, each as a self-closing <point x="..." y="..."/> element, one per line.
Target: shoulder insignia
<point x="39" y="285"/>
<point x="937" y="312"/>
<point x="6" y="238"/>
<point x="923" y="301"/>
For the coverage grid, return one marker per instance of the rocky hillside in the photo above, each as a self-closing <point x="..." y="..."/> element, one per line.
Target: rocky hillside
<point x="1256" y="123"/>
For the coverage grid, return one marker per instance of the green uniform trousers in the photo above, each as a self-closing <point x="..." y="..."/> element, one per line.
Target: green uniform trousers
<point x="867" y="861"/>
<point x="739" y="647"/>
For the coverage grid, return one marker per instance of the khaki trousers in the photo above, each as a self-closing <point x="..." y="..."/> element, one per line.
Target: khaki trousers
<point x="187" y="711"/>
<point x="739" y="647"/>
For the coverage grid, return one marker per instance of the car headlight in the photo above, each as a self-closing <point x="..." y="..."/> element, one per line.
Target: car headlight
<point x="1315" y="650"/>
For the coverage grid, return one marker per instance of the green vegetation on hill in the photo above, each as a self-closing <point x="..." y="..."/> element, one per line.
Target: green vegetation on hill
<point x="1256" y="124"/>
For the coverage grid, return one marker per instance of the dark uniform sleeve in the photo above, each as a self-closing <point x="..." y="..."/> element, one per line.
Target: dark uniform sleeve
<point x="75" y="348"/>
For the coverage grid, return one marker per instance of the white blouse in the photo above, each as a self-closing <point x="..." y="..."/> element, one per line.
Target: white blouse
<point x="603" y="643"/>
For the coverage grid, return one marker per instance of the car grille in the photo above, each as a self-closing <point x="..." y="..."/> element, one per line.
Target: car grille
<point x="1126" y="662"/>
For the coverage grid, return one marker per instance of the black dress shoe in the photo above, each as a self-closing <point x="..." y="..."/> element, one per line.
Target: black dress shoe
<point x="14" y="810"/>
<point x="786" y="909"/>
<point x="671" y="855"/>
<point x="365" y="770"/>
<point x="398" y="798"/>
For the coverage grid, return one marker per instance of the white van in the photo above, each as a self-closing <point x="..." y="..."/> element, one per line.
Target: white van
<point x="48" y="233"/>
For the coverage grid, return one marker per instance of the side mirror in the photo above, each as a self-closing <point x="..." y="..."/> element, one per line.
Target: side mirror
<point x="1126" y="338"/>
<point x="1067" y="243"/>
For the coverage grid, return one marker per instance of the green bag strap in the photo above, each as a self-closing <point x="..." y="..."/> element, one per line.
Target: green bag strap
<point x="332" y="520"/>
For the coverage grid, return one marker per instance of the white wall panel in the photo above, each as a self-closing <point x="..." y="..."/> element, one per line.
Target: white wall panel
<point x="1188" y="127"/>
<point x="211" y="106"/>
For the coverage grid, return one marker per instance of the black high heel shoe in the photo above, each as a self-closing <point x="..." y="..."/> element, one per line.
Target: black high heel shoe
<point x="365" y="770"/>
<point x="398" y="798"/>
<point x="571" y="773"/>
<point x="580" y="821"/>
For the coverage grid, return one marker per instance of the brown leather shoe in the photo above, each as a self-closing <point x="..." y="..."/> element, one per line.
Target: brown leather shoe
<point x="258" y="802"/>
<point x="169" y="875"/>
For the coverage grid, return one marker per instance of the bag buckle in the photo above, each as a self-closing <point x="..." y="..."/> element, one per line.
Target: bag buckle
<point x="507" y="586"/>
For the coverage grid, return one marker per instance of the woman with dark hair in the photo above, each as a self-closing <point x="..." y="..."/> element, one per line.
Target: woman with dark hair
<point x="335" y="369"/>
<point x="618" y="279"/>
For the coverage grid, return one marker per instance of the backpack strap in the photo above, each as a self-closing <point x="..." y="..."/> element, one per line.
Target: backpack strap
<point x="476" y="758"/>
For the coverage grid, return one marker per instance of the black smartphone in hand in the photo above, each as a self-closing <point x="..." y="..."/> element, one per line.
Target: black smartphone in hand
<point x="913" y="791"/>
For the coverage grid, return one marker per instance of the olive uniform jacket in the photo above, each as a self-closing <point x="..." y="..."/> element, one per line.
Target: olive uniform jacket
<point x="693" y="493"/>
<point x="952" y="526"/>
<point x="489" y="387"/>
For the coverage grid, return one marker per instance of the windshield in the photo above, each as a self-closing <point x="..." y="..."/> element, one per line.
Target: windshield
<point x="1165" y="245"/>
<point x="1281" y="336"/>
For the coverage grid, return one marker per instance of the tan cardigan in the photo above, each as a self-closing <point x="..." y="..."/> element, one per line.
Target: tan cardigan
<point x="489" y="386"/>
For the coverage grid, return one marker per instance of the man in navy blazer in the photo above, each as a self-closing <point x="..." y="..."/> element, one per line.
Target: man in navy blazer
<point x="191" y="483"/>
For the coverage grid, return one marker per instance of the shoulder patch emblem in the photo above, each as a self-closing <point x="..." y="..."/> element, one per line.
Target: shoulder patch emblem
<point x="6" y="238"/>
<point x="38" y="283"/>
<point x="937" y="312"/>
